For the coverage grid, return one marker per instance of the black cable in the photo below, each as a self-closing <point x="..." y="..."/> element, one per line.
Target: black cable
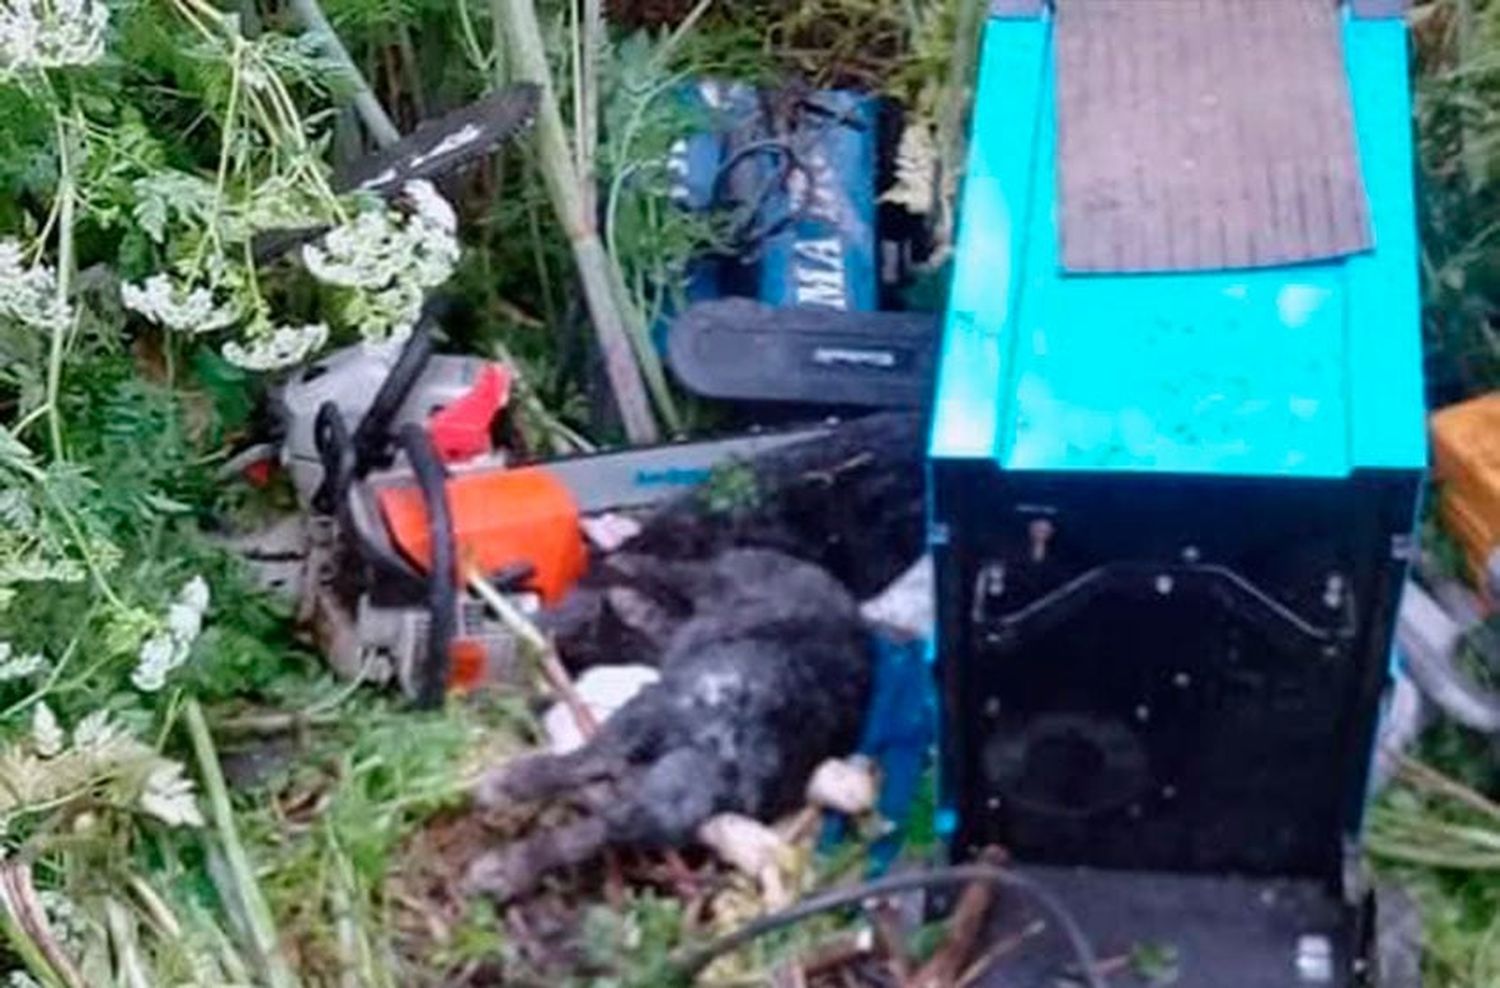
<point x="442" y="586"/>
<point x="815" y="905"/>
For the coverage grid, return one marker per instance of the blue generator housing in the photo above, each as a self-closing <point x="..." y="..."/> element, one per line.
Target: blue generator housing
<point x="1171" y="513"/>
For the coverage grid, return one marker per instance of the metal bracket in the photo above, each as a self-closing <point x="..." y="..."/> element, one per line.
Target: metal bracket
<point x="1220" y="584"/>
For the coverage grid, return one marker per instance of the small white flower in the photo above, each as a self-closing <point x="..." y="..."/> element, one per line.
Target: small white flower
<point x="194" y="594"/>
<point x="184" y="622"/>
<point x="389" y="258"/>
<point x="159" y="655"/>
<point x="168" y="796"/>
<point x="96" y="730"/>
<point x="388" y="315"/>
<point x="18" y="666"/>
<point x="167" y="649"/>
<point x="282" y="347"/>
<point x="185" y="309"/>
<point x="46" y="734"/>
<point x="46" y="34"/>
<point x="430" y="205"/>
<point x="367" y="252"/>
<point x="434" y="255"/>
<point x="28" y="292"/>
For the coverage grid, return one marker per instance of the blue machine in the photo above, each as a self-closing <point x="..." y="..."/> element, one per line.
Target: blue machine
<point x="1171" y="514"/>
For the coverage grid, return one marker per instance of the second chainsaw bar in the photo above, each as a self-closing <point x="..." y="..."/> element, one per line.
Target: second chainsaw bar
<point x="737" y="349"/>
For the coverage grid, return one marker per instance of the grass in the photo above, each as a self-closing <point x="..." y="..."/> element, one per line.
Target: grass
<point x="1440" y="838"/>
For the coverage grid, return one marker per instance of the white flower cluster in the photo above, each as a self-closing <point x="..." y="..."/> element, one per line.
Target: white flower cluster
<point x="283" y="346"/>
<point x="167" y="649"/>
<point x="13" y="667"/>
<point x="102" y="749"/>
<point x="391" y="257"/>
<point x="49" y="34"/>
<point x="47" y="735"/>
<point x="183" y="308"/>
<point x="168" y="796"/>
<point x="97" y="731"/>
<point x="28" y="292"/>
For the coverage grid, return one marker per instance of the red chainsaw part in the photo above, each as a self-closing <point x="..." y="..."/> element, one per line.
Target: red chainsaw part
<point x="466" y="665"/>
<point x="258" y="474"/>
<point x="461" y="431"/>
<point x="500" y="518"/>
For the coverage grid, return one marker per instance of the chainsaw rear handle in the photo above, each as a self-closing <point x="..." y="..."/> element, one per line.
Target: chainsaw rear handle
<point x="442" y="573"/>
<point x="372" y="436"/>
<point x="347" y="459"/>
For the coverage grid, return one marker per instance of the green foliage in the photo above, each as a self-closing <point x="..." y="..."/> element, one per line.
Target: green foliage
<point x="1441" y="839"/>
<point x="1458" y="116"/>
<point x="731" y="488"/>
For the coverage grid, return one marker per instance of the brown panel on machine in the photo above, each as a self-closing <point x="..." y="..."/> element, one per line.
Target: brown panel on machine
<point x="1205" y="134"/>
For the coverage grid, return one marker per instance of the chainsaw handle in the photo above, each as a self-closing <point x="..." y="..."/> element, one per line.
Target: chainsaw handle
<point x="442" y="571"/>
<point x="372" y="435"/>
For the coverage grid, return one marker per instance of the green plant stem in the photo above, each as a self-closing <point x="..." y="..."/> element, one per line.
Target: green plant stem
<point x="586" y="124"/>
<point x="41" y="691"/>
<point x="631" y="303"/>
<point x="645" y="350"/>
<point x="470" y="39"/>
<point x="39" y="477"/>
<point x="262" y="927"/>
<point x="684" y="27"/>
<point x="951" y="115"/>
<point x="67" y="191"/>
<point x="527" y="55"/>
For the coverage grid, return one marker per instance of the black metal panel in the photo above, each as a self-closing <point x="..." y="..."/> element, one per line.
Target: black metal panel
<point x="1164" y="673"/>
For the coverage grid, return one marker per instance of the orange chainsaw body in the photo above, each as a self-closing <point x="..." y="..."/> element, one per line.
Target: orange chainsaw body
<point x="501" y="518"/>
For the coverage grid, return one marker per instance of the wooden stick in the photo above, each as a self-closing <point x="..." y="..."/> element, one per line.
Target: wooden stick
<point x="999" y="950"/>
<point x="945" y="966"/>
<point x="532" y="639"/>
<point x="886" y="926"/>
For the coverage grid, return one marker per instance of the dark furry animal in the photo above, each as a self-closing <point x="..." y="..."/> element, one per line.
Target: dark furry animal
<point x="769" y="676"/>
<point x="850" y="503"/>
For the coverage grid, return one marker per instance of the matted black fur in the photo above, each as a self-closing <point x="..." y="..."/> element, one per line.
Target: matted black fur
<point x="769" y="676"/>
<point x="850" y="502"/>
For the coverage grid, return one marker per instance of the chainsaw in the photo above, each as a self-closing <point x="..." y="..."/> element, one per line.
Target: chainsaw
<point x="403" y="468"/>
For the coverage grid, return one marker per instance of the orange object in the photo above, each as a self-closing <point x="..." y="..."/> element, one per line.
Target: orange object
<point x="466" y="665"/>
<point x="1466" y="461"/>
<point x="500" y="518"/>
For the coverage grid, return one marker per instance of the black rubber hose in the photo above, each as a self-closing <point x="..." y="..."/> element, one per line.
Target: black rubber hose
<point x="442" y="575"/>
<point x="696" y="960"/>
